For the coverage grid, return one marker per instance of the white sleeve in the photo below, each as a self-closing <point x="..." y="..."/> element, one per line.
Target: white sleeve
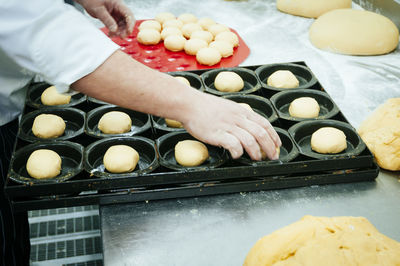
<point x="52" y="39"/>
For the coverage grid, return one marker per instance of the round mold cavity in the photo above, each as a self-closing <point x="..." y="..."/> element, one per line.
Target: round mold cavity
<point x="302" y="131"/>
<point x="259" y="105"/>
<point x="166" y="150"/>
<point x="303" y="74"/>
<point x="94" y="153"/>
<point x="194" y="80"/>
<point x="140" y="121"/>
<point x="35" y="92"/>
<point x="71" y="155"/>
<point x="288" y="151"/>
<point x="251" y="83"/>
<point x="282" y="100"/>
<point x="74" y="123"/>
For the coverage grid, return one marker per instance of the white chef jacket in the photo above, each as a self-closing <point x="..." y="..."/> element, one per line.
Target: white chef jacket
<point x="49" y="38"/>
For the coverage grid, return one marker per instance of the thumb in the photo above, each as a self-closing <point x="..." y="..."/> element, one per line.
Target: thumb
<point x="107" y="19"/>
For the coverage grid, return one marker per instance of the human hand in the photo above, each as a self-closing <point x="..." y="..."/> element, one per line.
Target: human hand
<point x="115" y="15"/>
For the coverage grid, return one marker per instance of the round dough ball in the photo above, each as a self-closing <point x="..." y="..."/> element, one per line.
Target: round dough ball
<point x="150" y="24"/>
<point x="115" y="122"/>
<point x="354" y="32"/>
<point x="43" y="164"/>
<point x="187" y="18"/>
<point x="328" y="140"/>
<point x="228" y="81"/>
<point x="283" y="79"/>
<point x="120" y="159"/>
<point x="304" y="107"/>
<point x="245" y="105"/>
<point x="217" y="28"/>
<point x="50" y="96"/>
<point x="47" y="126"/>
<point x="310" y="8"/>
<point x="208" y="56"/>
<point x="183" y="80"/>
<point x="206" y="23"/>
<point x="174" y="23"/>
<point x="189" y="28"/>
<point x="164" y="16"/>
<point x="170" y="31"/>
<point x="224" y="48"/>
<point x="192" y="46"/>
<point x="190" y="153"/>
<point x="173" y="123"/>
<point x="228" y="36"/>
<point x="174" y="43"/>
<point x="149" y="37"/>
<point x="203" y="35"/>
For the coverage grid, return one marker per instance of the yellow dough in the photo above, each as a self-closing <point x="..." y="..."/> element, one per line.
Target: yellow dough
<point x="208" y="56"/>
<point x="149" y="37"/>
<point x="192" y="46"/>
<point x="283" y="79"/>
<point x="203" y="35"/>
<point x="47" y="126"/>
<point x="344" y="241"/>
<point x="354" y="32"/>
<point x="304" y="107"/>
<point x="189" y="28"/>
<point x="43" y="164"/>
<point x="187" y="18"/>
<point x="174" y="43"/>
<point x="120" y="159"/>
<point x="190" y="153"/>
<point x="206" y="23"/>
<point x="170" y="31"/>
<point x="225" y="48"/>
<point x="164" y="16"/>
<point x="328" y="140"/>
<point x="228" y="36"/>
<point x="381" y="133"/>
<point x="173" y="123"/>
<point x="228" y="81"/>
<point x="217" y="28"/>
<point x="310" y="8"/>
<point x="245" y="105"/>
<point x="173" y="23"/>
<point x="150" y="24"/>
<point x="115" y="122"/>
<point x="183" y="80"/>
<point x="50" y="96"/>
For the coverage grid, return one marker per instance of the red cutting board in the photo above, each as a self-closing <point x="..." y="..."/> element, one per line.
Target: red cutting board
<point x="157" y="57"/>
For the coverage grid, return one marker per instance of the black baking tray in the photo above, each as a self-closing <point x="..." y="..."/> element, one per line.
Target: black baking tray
<point x="162" y="183"/>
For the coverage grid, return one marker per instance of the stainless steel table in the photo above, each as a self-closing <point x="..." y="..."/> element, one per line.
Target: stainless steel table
<point x="219" y="230"/>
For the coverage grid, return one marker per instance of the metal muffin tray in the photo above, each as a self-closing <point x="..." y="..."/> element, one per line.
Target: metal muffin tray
<point x="158" y="176"/>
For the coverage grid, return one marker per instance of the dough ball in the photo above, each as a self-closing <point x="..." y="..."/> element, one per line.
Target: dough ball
<point x="283" y="79"/>
<point x="189" y="28"/>
<point x="325" y="241"/>
<point x="245" y="105"/>
<point x="173" y="123"/>
<point x="115" y="122"/>
<point x="47" y="126"/>
<point x="203" y="35"/>
<point x="304" y="107"/>
<point x="50" y="96"/>
<point x="120" y="159"/>
<point x="170" y="31"/>
<point x="173" y="23"/>
<point x="381" y="133"/>
<point x="183" y="80"/>
<point x="228" y="81"/>
<point x="150" y="24"/>
<point x="174" y="43"/>
<point x="192" y="46"/>
<point x="187" y="18"/>
<point x="164" y="16"/>
<point x="328" y="140"/>
<point x="190" y="153"/>
<point x="217" y="28"/>
<point x="228" y="36"/>
<point x="224" y="48"/>
<point x="310" y="8"/>
<point x="149" y="37"/>
<point x="208" y="56"/>
<point x="206" y="23"/>
<point x="43" y="164"/>
<point x="354" y="32"/>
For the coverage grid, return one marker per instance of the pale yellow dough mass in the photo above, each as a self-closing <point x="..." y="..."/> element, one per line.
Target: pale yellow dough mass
<point x="173" y="123"/>
<point x="228" y="36"/>
<point x="192" y="46"/>
<point x="283" y="79"/>
<point x="182" y="80"/>
<point x="164" y="16"/>
<point x="189" y="28"/>
<point x="208" y="56"/>
<point x="115" y="122"/>
<point x="149" y="37"/>
<point x="187" y="18"/>
<point x="206" y="23"/>
<point x="304" y="107"/>
<point x="217" y="28"/>
<point x="310" y="8"/>
<point x="150" y="24"/>
<point x="328" y="140"/>
<point x="172" y="23"/>
<point x="190" y="153"/>
<point x="202" y="34"/>
<point x="48" y="126"/>
<point x="120" y="159"/>
<point x="43" y="164"/>
<point x="225" y="48"/>
<point x="50" y="96"/>
<point x="174" y="43"/>
<point x="170" y="31"/>
<point x="228" y="81"/>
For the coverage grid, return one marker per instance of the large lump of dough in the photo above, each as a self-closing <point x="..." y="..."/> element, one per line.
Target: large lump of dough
<point x="354" y="32"/>
<point x="344" y="241"/>
<point x="43" y="164"/>
<point x="310" y="8"/>
<point x="381" y="133"/>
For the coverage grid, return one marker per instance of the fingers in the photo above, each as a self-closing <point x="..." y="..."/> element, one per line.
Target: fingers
<point x="248" y="141"/>
<point x="105" y="17"/>
<point x="230" y="143"/>
<point x="264" y="123"/>
<point x="125" y="19"/>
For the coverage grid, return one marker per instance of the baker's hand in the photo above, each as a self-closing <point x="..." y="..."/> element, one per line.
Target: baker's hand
<point x="224" y="123"/>
<point x="115" y="15"/>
